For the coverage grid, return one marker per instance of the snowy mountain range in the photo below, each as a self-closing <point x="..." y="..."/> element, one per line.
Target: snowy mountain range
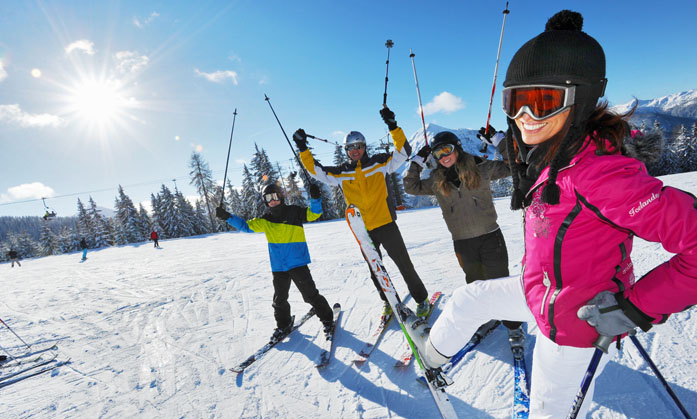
<point x="670" y="111"/>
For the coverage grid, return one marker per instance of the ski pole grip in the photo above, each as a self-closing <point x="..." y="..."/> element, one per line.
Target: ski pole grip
<point x="603" y="342"/>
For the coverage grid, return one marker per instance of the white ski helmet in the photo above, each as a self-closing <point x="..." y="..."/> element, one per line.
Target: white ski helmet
<point x="354" y="137"/>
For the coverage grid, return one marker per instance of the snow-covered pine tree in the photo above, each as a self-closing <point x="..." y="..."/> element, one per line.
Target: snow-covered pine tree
<point x="186" y="213"/>
<point x="202" y="224"/>
<point x="263" y="173"/>
<point x="102" y="233"/>
<point x="168" y="213"/>
<point x="48" y="243"/>
<point x="202" y="179"/>
<point x="128" y="217"/>
<point x="84" y="226"/>
<point x="118" y="235"/>
<point x="68" y="240"/>
<point x="338" y="202"/>
<point x="252" y="204"/>
<point x="144" y="223"/>
<point x="294" y="195"/>
<point x="157" y="216"/>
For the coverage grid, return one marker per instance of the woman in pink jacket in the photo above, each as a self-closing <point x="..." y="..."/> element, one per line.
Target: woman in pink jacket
<point x="583" y="202"/>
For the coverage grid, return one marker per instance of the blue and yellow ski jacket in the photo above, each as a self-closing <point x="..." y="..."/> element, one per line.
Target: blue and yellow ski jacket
<point x="285" y="233"/>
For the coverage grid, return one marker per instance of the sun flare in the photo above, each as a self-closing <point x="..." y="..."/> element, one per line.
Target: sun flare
<point x="98" y="102"/>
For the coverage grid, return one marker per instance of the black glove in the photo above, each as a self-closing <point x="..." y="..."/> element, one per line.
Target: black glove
<point x="388" y="116"/>
<point x="492" y="137"/>
<point x="314" y="191"/>
<point x="300" y="139"/>
<point x="424" y="152"/>
<point x="221" y="213"/>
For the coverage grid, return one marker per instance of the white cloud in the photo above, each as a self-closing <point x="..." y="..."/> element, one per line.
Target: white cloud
<point x="35" y="190"/>
<point x="15" y="115"/>
<point x="445" y="102"/>
<point x="339" y="134"/>
<point x="130" y="61"/>
<point x="3" y="73"/>
<point x="264" y="80"/>
<point x="137" y="22"/>
<point x="83" y="45"/>
<point x="218" y="76"/>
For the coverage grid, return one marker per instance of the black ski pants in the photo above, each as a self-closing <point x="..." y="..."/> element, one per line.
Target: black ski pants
<point x="391" y="239"/>
<point x="484" y="257"/>
<point x="303" y="280"/>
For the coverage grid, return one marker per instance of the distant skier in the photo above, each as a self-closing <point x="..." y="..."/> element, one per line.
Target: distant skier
<point x="154" y="237"/>
<point x="462" y="184"/>
<point x="83" y="246"/>
<point x="14" y="258"/>
<point x="49" y="215"/>
<point x="288" y="253"/>
<point x="363" y="183"/>
<point x="584" y="201"/>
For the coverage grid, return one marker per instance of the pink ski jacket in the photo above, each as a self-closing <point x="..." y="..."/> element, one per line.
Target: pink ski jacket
<point x="582" y="246"/>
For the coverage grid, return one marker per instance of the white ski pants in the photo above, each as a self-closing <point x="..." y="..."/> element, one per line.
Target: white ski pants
<point x="557" y="371"/>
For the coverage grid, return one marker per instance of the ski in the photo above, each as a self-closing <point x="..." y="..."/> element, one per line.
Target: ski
<point x="328" y="343"/>
<point x="375" y="338"/>
<point x="473" y="342"/>
<point x="521" y="389"/>
<point x="47" y="366"/>
<point x="435" y="379"/>
<point x="264" y="349"/>
<point x="22" y="368"/>
<point x="405" y="358"/>
<point x="33" y="352"/>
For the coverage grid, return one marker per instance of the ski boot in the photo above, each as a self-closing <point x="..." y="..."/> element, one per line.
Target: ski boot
<point x="516" y="337"/>
<point x="423" y="308"/>
<point x="486" y="328"/>
<point x="279" y="333"/>
<point x="328" y="329"/>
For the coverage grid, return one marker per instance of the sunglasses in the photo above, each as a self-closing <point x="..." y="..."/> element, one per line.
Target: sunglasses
<point x="271" y="197"/>
<point x="443" y="151"/>
<point x="539" y="101"/>
<point x="355" y="146"/>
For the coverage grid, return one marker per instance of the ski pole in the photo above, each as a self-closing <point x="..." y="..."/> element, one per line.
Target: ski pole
<point x="389" y="44"/>
<point x="657" y="373"/>
<point x="297" y="158"/>
<point x="227" y="161"/>
<point x="418" y="93"/>
<point x="8" y="353"/>
<point x="601" y="344"/>
<point x="13" y="332"/>
<point x="496" y="70"/>
<point x="323" y="140"/>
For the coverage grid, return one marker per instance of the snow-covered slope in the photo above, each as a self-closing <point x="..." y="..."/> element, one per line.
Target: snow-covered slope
<point x="152" y="332"/>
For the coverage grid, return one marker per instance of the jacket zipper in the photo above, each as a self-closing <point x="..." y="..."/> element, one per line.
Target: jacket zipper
<point x="547" y="283"/>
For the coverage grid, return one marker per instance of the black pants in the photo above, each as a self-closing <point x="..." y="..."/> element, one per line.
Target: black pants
<point x="391" y="239"/>
<point x="484" y="257"/>
<point x="156" y="243"/>
<point x="303" y="280"/>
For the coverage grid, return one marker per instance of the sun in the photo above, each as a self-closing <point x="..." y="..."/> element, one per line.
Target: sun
<point x="98" y="102"/>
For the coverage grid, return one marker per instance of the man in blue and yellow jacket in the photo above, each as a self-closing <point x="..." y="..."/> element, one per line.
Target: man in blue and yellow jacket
<point x="363" y="183"/>
<point x="288" y="252"/>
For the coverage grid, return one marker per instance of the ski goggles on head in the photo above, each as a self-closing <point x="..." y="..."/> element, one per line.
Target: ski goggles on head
<point x="355" y="146"/>
<point x="538" y="100"/>
<point x="443" y="151"/>
<point x="271" y="197"/>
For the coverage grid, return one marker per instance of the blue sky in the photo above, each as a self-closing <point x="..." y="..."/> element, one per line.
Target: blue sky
<point x="97" y="94"/>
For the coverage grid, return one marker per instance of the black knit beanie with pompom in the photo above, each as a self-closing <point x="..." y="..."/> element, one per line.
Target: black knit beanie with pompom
<point x="562" y="55"/>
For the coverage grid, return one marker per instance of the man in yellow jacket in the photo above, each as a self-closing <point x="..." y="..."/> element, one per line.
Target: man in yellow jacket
<point x="363" y="183"/>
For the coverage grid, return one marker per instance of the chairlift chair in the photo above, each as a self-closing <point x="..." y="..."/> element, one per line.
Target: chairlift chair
<point x="50" y="213"/>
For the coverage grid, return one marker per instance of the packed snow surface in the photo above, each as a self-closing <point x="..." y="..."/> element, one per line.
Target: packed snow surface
<point x="153" y="332"/>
